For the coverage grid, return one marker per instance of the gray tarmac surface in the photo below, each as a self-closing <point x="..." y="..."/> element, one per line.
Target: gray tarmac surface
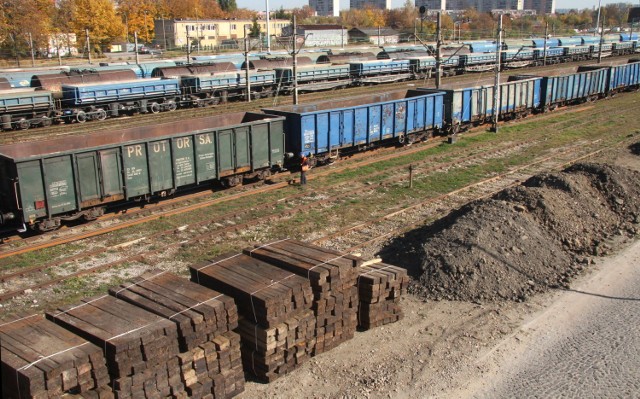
<point x="587" y="345"/>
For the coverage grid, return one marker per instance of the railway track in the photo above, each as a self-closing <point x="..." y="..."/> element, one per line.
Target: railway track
<point x="300" y="204"/>
<point x="14" y="245"/>
<point x="145" y="119"/>
<point x="240" y="223"/>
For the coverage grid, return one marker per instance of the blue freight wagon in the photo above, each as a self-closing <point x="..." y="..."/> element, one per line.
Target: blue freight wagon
<point x="539" y="43"/>
<point x="569" y="41"/>
<point x="202" y="90"/>
<point x="622" y="48"/>
<point x="81" y="102"/>
<point x="476" y="62"/>
<point x="313" y="77"/>
<point x="482" y="47"/>
<point x="621" y="77"/>
<point x="323" y="129"/>
<point x="586" y="40"/>
<point x="311" y="73"/>
<point x="23" y="108"/>
<point x="629" y="37"/>
<point x="370" y="71"/>
<point x="577" y="52"/>
<point x="44" y="183"/>
<point x="470" y="106"/>
<point x="257" y="78"/>
<point x="574" y="88"/>
<point x="554" y="55"/>
<point x="517" y="55"/>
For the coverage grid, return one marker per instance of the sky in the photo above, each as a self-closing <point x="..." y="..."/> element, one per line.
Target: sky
<point x="276" y="4"/>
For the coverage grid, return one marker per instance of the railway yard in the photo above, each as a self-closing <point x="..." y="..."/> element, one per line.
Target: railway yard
<point x="494" y="231"/>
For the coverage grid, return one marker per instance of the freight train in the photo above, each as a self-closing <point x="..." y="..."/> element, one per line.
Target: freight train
<point x="96" y="92"/>
<point x="45" y="183"/>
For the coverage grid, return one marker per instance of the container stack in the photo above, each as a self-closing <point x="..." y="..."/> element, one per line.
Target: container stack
<point x="276" y="323"/>
<point x="42" y="360"/>
<point x="209" y="361"/>
<point x="332" y="276"/>
<point x="141" y="348"/>
<point x="380" y="287"/>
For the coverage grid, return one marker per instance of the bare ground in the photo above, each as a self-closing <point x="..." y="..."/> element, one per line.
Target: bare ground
<point x="455" y="348"/>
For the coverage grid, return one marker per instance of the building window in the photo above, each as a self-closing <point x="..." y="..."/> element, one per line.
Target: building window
<point x="233" y="26"/>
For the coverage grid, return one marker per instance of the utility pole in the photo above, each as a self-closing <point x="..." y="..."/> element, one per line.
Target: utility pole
<point x="342" y="37"/>
<point x="601" y="42"/>
<point x="438" y="50"/>
<point x="246" y="63"/>
<point x="295" y="62"/>
<point x="546" y="34"/>
<point x="378" y="35"/>
<point x="86" y="31"/>
<point x="188" y="47"/>
<point x="496" y="86"/>
<point x="415" y="31"/>
<point x="33" y="58"/>
<point x="269" y="30"/>
<point x="598" y="20"/>
<point x="135" y="41"/>
<point x="58" y="46"/>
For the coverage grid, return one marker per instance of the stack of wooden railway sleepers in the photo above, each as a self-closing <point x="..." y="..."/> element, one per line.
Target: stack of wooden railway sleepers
<point x="380" y="287"/>
<point x="40" y="359"/>
<point x="140" y="347"/>
<point x="332" y="276"/>
<point x="209" y="361"/>
<point x="276" y="324"/>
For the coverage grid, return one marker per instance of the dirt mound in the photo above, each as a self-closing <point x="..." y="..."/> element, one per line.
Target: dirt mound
<point x="523" y="240"/>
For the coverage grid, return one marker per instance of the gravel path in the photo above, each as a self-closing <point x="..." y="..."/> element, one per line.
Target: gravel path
<point x="587" y="345"/>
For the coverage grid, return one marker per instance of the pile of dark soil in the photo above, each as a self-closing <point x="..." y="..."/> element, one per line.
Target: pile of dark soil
<point x="523" y="240"/>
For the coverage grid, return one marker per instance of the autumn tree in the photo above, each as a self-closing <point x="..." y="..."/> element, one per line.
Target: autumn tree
<point x="194" y="9"/>
<point x="228" y="5"/>
<point x="402" y="18"/>
<point x="98" y="16"/>
<point x="366" y="17"/>
<point x="138" y="16"/>
<point x="19" y="18"/>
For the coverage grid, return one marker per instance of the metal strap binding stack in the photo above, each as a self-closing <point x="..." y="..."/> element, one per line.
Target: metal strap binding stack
<point x="42" y="360"/>
<point x="138" y="345"/>
<point x="332" y="276"/>
<point x="380" y="287"/>
<point x="276" y="323"/>
<point x="209" y="362"/>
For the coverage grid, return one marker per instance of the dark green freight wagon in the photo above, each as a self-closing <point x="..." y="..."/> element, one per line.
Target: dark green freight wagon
<point x="44" y="183"/>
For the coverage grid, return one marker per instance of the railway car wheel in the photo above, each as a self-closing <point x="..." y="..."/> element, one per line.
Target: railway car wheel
<point x="171" y="105"/>
<point x="154" y="107"/>
<point x="23" y="124"/>
<point x="231" y="181"/>
<point x="81" y="117"/>
<point x="47" y="225"/>
<point x="101" y="114"/>
<point x="45" y="121"/>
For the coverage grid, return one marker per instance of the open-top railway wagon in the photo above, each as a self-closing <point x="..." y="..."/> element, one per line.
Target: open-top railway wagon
<point x="324" y="129"/>
<point x="43" y="183"/>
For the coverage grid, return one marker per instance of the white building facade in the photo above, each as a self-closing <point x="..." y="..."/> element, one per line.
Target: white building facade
<point x="326" y="7"/>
